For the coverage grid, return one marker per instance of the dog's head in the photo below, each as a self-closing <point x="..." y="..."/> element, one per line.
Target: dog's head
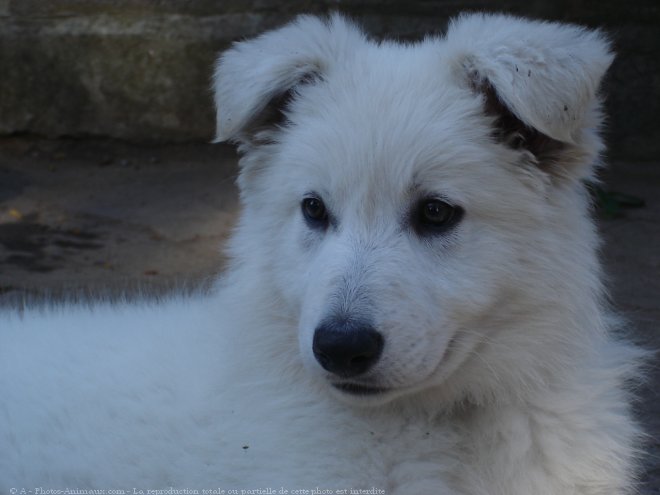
<point x="418" y="209"/>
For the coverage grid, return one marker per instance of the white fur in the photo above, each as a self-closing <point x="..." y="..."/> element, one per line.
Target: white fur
<point x="502" y="372"/>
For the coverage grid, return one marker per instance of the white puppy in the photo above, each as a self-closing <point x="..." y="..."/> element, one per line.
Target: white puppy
<point x="414" y="304"/>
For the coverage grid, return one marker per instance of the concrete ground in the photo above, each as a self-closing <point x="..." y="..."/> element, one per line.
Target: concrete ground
<point x="104" y="217"/>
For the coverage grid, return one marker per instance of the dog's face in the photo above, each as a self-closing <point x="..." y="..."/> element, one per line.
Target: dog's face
<point x="390" y="242"/>
<point x="405" y="195"/>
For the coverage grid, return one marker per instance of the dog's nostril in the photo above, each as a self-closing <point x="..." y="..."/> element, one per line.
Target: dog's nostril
<point x="361" y="360"/>
<point x="347" y="348"/>
<point x="322" y="358"/>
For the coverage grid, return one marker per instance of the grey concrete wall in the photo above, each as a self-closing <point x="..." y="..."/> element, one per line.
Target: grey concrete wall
<point x="139" y="69"/>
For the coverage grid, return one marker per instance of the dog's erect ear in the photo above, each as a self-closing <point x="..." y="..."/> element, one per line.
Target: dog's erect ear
<point x="254" y="79"/>
<point x="538" y="79"/>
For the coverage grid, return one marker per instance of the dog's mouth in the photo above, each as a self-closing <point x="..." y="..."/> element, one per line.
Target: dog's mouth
<point x="358" y="389"/>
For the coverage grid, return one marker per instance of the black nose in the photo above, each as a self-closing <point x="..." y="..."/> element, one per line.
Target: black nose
<point x="346" y="348"/>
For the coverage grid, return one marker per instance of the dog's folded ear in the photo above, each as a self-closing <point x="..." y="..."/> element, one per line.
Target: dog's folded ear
<point x="254" y="79"/>
<point x="538" y="79"/>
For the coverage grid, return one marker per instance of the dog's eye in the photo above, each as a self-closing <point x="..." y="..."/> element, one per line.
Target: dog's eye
<point x="314" y="212"/>
<point x="434" y="216"/>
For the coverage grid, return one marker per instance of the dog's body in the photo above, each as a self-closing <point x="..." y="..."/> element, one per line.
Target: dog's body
<point x="414" y="303"/>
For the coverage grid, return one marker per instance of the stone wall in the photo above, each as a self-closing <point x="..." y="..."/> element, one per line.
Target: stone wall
<point x="139" y="69"/>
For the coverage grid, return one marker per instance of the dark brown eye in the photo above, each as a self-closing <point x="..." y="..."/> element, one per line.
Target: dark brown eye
<point x="434" y="216"/>
<point x="314" y="212"/>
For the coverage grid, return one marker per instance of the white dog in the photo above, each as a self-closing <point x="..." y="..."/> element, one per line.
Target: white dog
<point x="414" y="304"/>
